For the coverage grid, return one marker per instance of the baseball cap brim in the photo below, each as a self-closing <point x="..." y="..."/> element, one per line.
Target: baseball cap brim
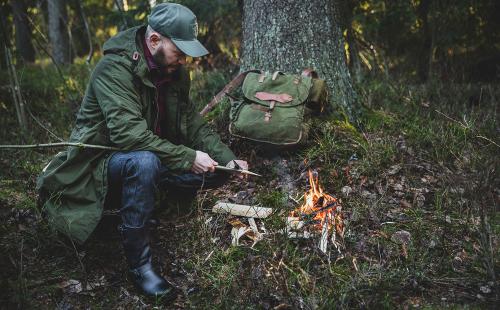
<point x="191" y="48"/>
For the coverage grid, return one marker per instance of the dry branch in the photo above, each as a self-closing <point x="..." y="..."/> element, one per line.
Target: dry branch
<point x="44" y="145"/>
<point x="242" y="210"/>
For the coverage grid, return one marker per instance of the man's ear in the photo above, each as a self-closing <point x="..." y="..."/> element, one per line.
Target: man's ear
<point x="154" y="40"/>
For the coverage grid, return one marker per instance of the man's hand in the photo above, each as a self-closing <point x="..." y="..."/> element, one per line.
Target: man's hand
<point x="203" y="163"/>
<point x="238" y="164"/>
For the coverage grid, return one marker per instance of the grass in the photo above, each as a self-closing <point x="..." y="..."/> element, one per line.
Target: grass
<point x="424" y="162"/>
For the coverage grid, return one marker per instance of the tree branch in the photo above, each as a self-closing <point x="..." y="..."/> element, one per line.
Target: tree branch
<point x="46" y="145"/>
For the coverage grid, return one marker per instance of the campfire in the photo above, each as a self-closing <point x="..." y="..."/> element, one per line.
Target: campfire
<point x="319" y="214"/>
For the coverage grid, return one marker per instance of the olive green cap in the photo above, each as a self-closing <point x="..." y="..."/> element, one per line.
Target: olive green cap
<point x="179" y="24"/>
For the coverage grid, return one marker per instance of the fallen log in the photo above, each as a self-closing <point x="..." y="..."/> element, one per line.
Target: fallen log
<point x="242" y="210"/>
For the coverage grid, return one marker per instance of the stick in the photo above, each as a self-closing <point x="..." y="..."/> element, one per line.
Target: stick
<point x="323" y="242"/>
<point x="16" y="91"/>
<point x="87" y="30"/>
<point x="45" y="145"/>
<point x="311" y="215"/>
<point x="242" y="210"/>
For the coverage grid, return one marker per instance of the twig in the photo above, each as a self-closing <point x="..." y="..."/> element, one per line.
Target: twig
<point x="80" y="261"/>
<point x="43" y="48"/>
<point x="452" y="119"/>
<point x="122" y="14"/>
<point x="16" y="92"/>
<point x="468" y="127"/>
<point x="45" y="145"/>
<point x="489" y="140"/>
<point x="87" y="30"/>
<point x="41" y="125"/>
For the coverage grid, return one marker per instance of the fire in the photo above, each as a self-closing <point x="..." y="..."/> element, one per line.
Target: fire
<point x="320" y="208"/>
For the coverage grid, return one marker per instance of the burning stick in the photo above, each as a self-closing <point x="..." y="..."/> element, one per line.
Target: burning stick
<point x="320" y="212"/>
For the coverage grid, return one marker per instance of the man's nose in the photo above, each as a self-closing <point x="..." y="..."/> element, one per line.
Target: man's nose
<point x="182" y="60"/>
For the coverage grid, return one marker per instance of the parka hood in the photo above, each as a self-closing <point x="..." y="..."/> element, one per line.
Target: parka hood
<point x="126" y="42"/>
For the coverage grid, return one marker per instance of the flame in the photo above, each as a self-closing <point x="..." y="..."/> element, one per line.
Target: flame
<point x="321" y="206"/>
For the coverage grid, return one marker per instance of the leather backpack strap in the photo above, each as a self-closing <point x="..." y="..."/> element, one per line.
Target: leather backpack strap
<point x="237" y="81"/>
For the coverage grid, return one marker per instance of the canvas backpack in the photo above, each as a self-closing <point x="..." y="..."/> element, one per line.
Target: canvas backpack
<point x="273" y="108"/>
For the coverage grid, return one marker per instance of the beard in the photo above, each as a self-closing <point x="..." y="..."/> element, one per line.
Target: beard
<point x="160" y="60"/>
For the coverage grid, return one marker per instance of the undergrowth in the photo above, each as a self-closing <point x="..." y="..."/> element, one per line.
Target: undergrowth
<point x="424" y="161"/>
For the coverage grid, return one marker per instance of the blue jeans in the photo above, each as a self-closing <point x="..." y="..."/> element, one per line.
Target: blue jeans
<point x="134" y="178"/>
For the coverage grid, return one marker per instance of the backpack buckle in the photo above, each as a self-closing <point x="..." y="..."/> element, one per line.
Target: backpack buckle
<point x="267" y="116"/>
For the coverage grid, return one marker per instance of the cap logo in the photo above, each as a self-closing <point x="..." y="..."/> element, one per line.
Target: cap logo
<point x="195" y="29"/>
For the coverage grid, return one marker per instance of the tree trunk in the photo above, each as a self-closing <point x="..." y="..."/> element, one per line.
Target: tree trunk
<point x="292" y="35"/>
<point x="424" y="56"/>
<point x="58" y="32"/>
<point x="23" y="32"/>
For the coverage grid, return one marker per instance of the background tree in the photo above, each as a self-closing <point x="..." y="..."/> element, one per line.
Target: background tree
<point x="292" y="35"/>
<point x="24" y="46"/>
<point x="58" y="32"/>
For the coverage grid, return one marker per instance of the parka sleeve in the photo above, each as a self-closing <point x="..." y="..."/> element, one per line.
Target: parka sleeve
<point x="202" y="137"/>
<point x="120" y="103"/>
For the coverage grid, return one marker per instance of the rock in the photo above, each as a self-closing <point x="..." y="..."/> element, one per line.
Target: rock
<point x="346" y="190"/>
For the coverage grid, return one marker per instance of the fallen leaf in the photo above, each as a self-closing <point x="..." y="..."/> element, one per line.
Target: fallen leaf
<point x="401" y="237"/>
<point x="398" y="187"/>
<point x="394" y="169"/>
<point x="95" y="284"/>
<point x="485" y="289"/>
<point x="368" y="195"/>
<point x="71" y="286"/>
<point x="405" y="204"/>
<point x="235" y="222"/>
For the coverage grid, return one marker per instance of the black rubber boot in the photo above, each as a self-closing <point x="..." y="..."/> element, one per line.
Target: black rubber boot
<point x="138" y="254"/>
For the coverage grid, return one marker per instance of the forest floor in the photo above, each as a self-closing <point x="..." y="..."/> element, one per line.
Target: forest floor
<point x="419" y="189"/>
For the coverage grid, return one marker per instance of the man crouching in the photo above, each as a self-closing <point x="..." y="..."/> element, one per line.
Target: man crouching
<point x="137" y="101"/>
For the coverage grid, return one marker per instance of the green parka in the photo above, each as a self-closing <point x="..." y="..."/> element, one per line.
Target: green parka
<point x="119" y="110"/>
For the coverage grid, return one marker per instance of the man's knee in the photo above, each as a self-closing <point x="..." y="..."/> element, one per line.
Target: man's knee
<point x="145" y="164"/>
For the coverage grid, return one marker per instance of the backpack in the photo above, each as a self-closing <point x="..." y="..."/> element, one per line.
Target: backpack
<point x="273" y="109"/>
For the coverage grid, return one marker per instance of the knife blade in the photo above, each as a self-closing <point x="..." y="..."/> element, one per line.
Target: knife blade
<point x="233" y="170"/>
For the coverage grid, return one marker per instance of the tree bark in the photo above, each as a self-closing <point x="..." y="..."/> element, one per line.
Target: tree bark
<point x="23" y="32"/>
<point x="58" y="32"/>
<point x="290" y="35"/>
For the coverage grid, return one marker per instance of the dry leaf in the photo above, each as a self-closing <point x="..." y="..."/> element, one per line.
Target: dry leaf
<point x="401" y="237"/>
<point x="394" y="169"/>
<point x="71" y="286"/>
